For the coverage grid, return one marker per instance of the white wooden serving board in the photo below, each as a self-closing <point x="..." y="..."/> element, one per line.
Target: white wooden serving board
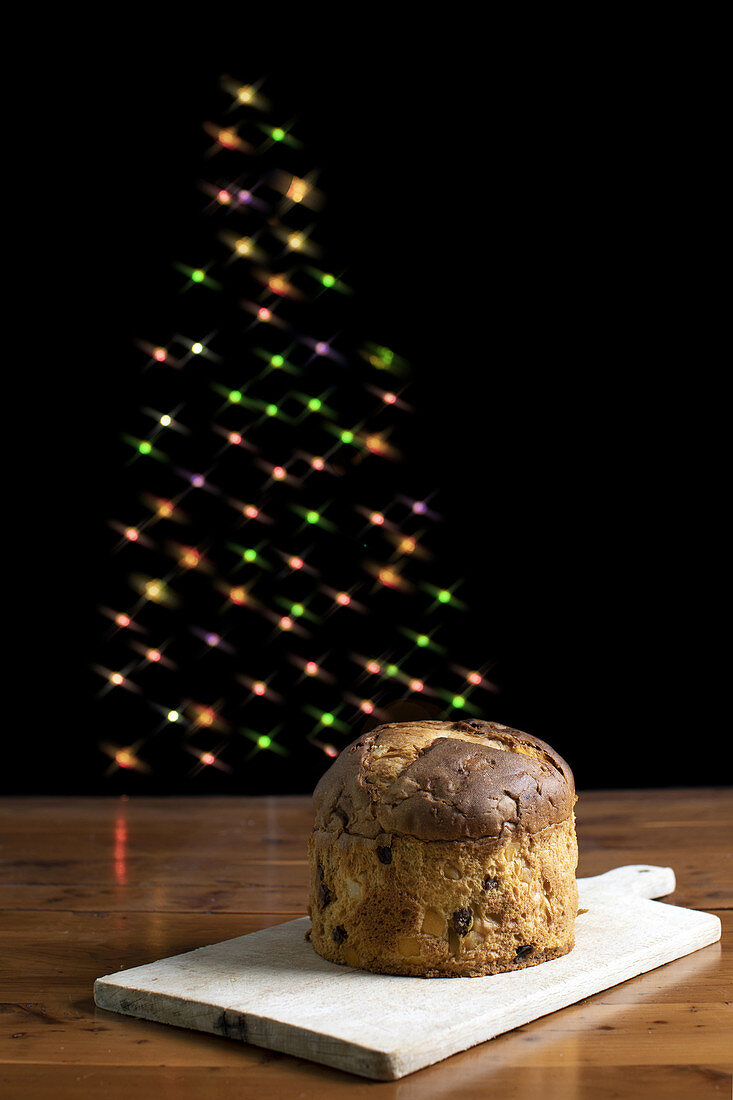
<point x="270" y="988"/>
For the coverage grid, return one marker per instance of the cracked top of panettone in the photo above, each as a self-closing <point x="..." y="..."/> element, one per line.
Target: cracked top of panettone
<point x="444" y="781"/>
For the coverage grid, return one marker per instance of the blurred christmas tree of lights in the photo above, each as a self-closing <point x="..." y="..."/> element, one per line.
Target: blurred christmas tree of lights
<point x="274" y="589"/>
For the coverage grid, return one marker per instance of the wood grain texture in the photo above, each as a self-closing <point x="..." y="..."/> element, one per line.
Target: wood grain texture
<point x="661" y="1034"/>
<point x="270" y="988"/>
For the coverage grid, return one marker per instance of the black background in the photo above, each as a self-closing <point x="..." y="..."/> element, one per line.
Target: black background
<point x="537" y="234"/>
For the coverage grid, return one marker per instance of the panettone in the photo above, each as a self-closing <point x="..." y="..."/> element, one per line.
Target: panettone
<point x="444" y="849"/>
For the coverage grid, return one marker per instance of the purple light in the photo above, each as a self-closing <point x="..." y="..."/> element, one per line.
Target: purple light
<point x="197" y="480"/>
<point x="212" y="639"/>
<point x="245" y="196"/>
<point x="420" y="507"/>
<point x="322" y="349"/>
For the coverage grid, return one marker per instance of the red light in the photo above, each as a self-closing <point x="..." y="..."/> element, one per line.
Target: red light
<point x="366" y="706"/>
<point x="259" y="688"/>
<point x="377" y="518"/>
<point x="330" y="750"/>
<point x="251" y="511"/>
<point x="132" y="534"/>
<point x="153" y="655"/>
<point x="318" y="463"/>
<point x="343" y="599"/>
<point x="224" y="197"/>
<point x="286" y="623"/>
<point x="278" y="472"/>
<point x="296" y="563"/>
<point x="416" y="685"/>
<point x="390" y="398"/>
<point x="122" y="620"/>
<point x="207" y="758"/>
<point x="311" y="668"/>
<point x="373" y="667"/>
<point x="235" y="438"/>
<point x="474" y="677"/>
<point x="263" y="313"/>
<point x="160" y="355"/>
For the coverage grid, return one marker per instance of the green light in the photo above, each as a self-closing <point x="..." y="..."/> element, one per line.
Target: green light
<point x="198" y="275"/>
<point x="458" y="701"/>
<point x="392" y="670"/>
<point x="328" y="280"/>
<point x="197" y="348"/>
<point x="297" y="609"/>
<point x="347" y="437"/>
<point x="277" y="361"/>
<point x="422" y="640"/>
<point x="250" y="555"/>
<point x="278" y="134"/>
<point x="313" y="517"/>
<point x="271" y="410"/>
<point x="235" y="397"/>
<point x="173" y="716"/>
<point x="264" y="741"/>
<point x="444" y="596"/>
<point x="314" y="404"/>
<point x="327" y="719"/>
<point x="145" y="448"/>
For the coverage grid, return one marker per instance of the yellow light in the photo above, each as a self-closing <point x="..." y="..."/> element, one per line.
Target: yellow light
<point x="297" y="190"/>
<point x="165" y="509"/>
<point x="154" y="590"/>
<point x="388" y="577"/>
<point x="124" y="758"/>
<point x="245" y="94"/>
<point x="190" y="558"/>
<point x="407" y="546"/>
<point x="116" y="678"/>
<point x="278" y="285"/>
<point x="375" y="444"/>
<point x="227" y="136"/>
<point x="295" y="240"/>
<point x="238" y="595"/>
<point x="243" y="246"/>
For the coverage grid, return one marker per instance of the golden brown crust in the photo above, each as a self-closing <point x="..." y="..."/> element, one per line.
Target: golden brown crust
<point x="441" y="781"/>
<point x="444" y="909"/>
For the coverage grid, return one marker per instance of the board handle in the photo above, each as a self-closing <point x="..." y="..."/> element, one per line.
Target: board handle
<point x="641" y="879"/>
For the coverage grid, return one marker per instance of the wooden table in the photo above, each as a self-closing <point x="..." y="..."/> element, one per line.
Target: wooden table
<point x="92" y="885"/>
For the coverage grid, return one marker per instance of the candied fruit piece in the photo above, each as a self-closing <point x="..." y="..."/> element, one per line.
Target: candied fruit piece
<point x="408" y="946"/>
<point x="433" y="923"/>
<point x="351" y="956"/>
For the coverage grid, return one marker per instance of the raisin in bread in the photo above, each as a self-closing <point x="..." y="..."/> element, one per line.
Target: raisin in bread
<point x="444" y="849"/>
